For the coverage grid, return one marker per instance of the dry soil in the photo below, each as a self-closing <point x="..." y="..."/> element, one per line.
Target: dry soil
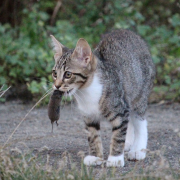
<point x="35" y="135"/>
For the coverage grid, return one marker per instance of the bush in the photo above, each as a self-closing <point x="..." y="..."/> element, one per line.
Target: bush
<point x="26" y="54"/>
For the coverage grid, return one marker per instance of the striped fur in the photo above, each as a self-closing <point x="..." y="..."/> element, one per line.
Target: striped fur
<point x="112" y="82"/>
<point x="94" y="138"/>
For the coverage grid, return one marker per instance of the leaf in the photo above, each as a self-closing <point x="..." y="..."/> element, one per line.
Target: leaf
<point x="175" y="20"/>
<point x="143" y="29"/>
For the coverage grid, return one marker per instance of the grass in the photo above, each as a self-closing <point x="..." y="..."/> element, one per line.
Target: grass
<point x="18" y="165"/>
<point x="2" y="92"/>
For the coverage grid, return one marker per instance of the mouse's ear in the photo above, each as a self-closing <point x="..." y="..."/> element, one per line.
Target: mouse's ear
<point x="82" y="53"/>
<point x="57" y="47"/>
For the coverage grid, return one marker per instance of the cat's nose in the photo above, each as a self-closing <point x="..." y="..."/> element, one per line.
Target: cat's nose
<point x="57" y="86"/>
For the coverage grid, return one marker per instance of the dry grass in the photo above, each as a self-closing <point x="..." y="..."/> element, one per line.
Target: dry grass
<point x="18" y="165"/>
<point x="2" y="92"/>
<point x="45" y="95"/>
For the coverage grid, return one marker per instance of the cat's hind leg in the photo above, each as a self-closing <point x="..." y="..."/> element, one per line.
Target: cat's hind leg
<point x="95" y="156"/>
<point x="129" y="137"/>
<point x="137" y="151"/>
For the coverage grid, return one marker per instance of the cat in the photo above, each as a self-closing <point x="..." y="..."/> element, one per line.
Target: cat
<point x="113" y="82"/>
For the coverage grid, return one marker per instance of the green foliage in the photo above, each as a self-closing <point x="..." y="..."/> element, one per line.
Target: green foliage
<point x="25" y="50"/>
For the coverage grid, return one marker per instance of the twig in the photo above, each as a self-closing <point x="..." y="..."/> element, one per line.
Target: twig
<point x="2" y="87"/>
<point x="56" y="9"/>
<point x="25" y="118"/>
<point x="5" y="90"/>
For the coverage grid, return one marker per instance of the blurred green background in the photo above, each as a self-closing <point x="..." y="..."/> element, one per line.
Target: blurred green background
<point x="25" y="26"/>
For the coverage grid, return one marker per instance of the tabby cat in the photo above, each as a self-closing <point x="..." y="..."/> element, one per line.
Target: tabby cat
<point x="114" y="83"/>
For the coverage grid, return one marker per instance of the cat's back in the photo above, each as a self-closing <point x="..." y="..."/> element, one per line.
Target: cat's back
<point x="127" y="53"/>
<point x="122" y="46"/>
<point x="126" y="62"/>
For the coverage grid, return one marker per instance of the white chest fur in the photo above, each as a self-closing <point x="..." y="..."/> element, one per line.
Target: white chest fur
<point x="88" y="98"/>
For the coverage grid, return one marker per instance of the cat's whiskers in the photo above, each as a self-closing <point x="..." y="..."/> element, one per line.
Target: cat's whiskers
<point x="78" y="97"/>
<point x="70" y="96"/>
<point x="66" y="94"/>
<point x="75" y="96"/>
<point x="81" y="92"/>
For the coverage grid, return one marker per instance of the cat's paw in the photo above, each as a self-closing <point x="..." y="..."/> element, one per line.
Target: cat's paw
<point x="136" y="155"/>
<point x="115" y="161"/>
<point x="92" y="161"/>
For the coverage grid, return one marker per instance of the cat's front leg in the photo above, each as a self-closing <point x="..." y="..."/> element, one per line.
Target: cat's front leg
<point x="119" y="128"/>
<point x="95" y="156"/>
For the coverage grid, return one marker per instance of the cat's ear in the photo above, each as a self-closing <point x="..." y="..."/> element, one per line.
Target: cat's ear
<point x="58" y="48"/>
<point x="82" y="52"/>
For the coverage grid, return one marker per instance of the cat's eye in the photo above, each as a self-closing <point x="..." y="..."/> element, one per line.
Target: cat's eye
<point x="54" y="73"/>
<point x="67" y="74"/>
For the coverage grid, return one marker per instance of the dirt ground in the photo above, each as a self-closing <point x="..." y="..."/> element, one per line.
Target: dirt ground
<point x="35" y="132"/>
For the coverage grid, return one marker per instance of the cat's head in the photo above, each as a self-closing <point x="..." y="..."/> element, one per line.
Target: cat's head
<point x="74" y="68"/>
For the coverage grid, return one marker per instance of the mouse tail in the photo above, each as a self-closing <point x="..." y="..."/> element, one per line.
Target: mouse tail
<point x="52" y="126"/>
<point x="57" y="123"/>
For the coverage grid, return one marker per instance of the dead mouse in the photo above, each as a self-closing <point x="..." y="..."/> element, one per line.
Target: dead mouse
<point x="54" y="107"/>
